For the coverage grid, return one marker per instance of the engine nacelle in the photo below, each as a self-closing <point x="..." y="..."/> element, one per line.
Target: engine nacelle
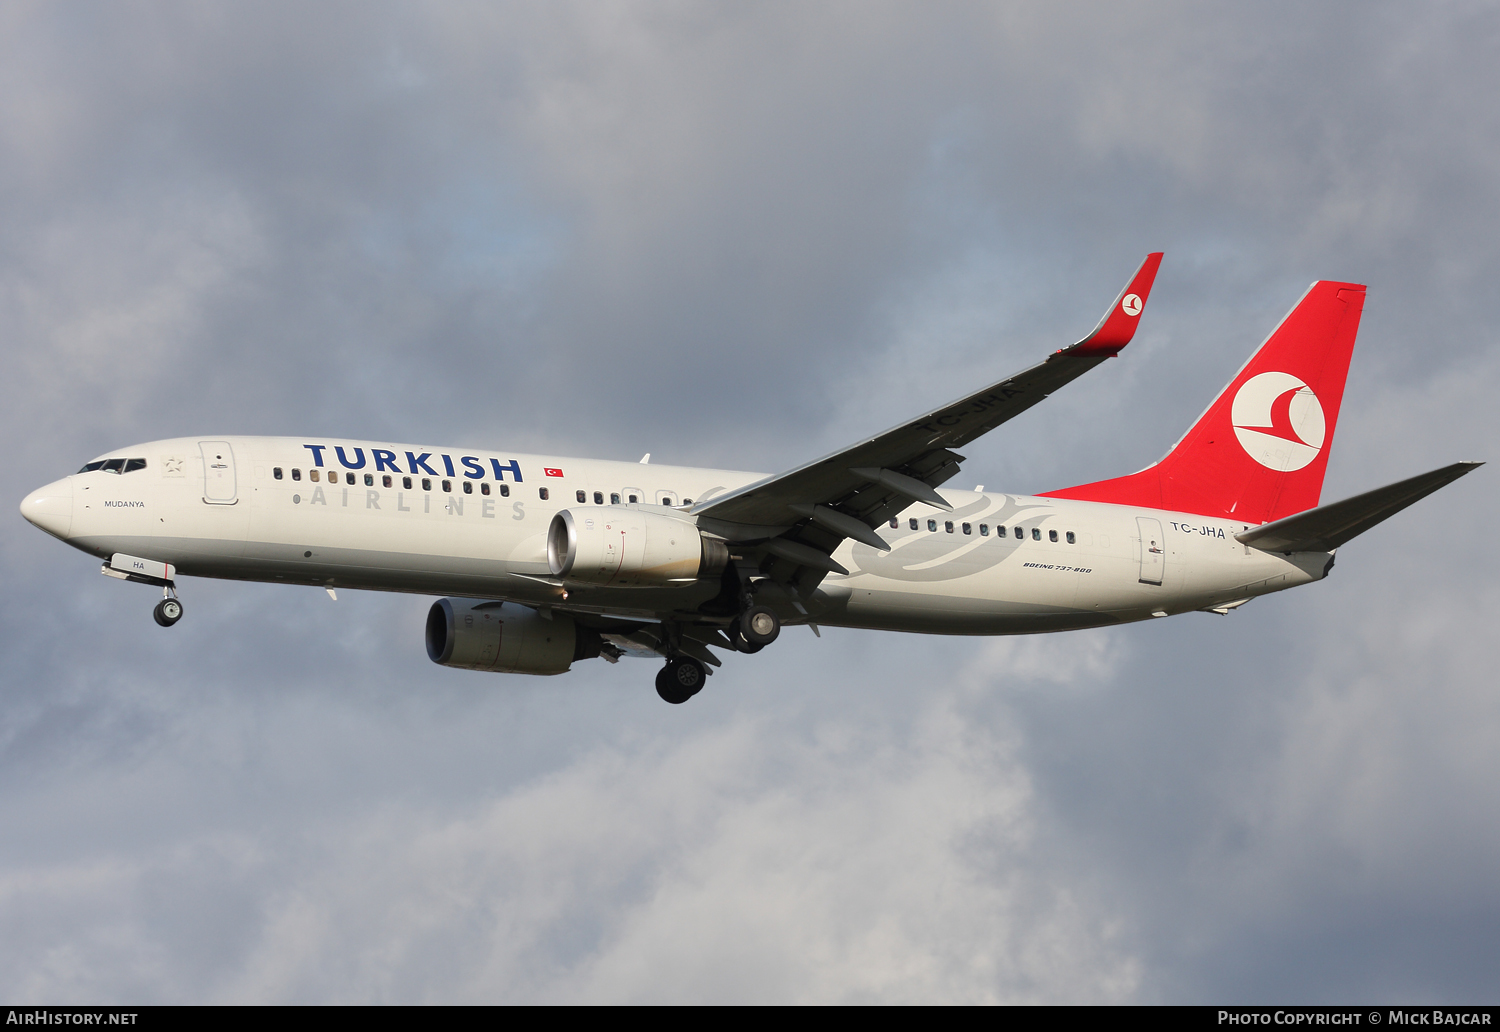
<point x="505" y="637"/>
<point x="623" y="547"/>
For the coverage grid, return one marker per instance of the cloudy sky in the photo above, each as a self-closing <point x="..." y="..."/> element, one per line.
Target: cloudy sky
<point x="742" y="235"/>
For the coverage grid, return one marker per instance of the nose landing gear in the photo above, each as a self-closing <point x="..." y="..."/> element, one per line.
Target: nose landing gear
<point x="167" y="612"/>
<point x="148" y="571"/>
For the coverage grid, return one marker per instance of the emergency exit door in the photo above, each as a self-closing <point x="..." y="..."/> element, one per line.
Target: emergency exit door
<point x="1153" y="549"/>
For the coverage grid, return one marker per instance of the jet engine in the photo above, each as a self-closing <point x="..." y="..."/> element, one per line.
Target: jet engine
<point x="623" y="547"/>
<point x="505" y="637"/>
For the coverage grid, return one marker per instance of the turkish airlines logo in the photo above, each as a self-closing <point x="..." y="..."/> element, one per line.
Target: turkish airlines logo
<point x="1131" y="305"/>
<point x="1279" y="421"/>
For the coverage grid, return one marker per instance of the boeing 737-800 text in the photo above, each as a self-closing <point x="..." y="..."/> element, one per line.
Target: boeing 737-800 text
<point x="545" y="561"/>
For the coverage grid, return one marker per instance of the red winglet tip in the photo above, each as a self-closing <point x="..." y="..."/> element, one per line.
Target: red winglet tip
<point x="1118" y="325"/>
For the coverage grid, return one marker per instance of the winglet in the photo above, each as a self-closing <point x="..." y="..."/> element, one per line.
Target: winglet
<point x="1118" y="325"/>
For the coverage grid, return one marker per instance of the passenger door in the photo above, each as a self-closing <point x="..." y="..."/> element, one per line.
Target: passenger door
<point x="1153" y="549"/>
<point x="219" y="487"/>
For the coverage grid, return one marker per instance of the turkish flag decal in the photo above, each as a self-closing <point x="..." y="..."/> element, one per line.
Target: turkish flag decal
<point x="551" y="472"/>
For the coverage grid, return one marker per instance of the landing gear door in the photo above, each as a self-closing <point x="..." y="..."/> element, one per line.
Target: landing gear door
<point x="218" y="473"/>
<point x="1153" y="549"/>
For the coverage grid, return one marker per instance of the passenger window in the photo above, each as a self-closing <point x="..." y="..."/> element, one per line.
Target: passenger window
<point x="312" y="475"/>
<point x="468" y="487"/>
<point x="369" y="479"/>
<point x="932" y="526"/>
<point x="581" y="496"/>
<point x="276" y="473"/>
<point x="1020" y="533"/>
<point x="1071" y="539"/>
<point x="542" y="493"/>
<point x="484" y="489"/>
<point x="349" y="479"/>
<point x="914" y="524"/>
<point x="598" y="497"/>
<point x="948" y="526"/>
<point x="614" y="498"/>
<point x="426" y="484"/>
<point x="984" y="530"/>
<point x="1052" y="535"/>
<point x="968" y="529"/>
<point x="666" y="499"/>
<point x="895" y="523"/>
<point x="114" y="465"/>
<point x="1036" y="534"/>
<point x="385" y="481"/>
<point x="634" y="498"/>
<point x="296" y="473"/>
<point x="447" y="487"/>
<point x="135" y="464"/>
<point x="504" y="490"/>
<point x="406" y="483"/>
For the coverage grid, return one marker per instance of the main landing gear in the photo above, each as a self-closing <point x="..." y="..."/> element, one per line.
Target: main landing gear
<point x="756" y="628"/>
<point x="169" y="610"/>
<point x="683" y="676"/>
<point x="680" y="679"/>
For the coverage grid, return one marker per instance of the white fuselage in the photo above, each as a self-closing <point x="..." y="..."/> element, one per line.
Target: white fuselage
<point x="473" y="523"/>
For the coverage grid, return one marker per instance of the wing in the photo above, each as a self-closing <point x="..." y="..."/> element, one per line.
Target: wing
<point x="802" y="515"/>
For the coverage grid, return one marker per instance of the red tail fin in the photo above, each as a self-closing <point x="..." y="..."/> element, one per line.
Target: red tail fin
<point x="1260" y="451"/>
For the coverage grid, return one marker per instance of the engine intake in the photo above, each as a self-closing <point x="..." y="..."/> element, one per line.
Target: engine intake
<point x="623" y="547"/>
<point x="505" y="638"/>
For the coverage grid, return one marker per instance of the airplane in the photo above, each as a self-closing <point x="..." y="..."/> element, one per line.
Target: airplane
<point x="544" y="561"/>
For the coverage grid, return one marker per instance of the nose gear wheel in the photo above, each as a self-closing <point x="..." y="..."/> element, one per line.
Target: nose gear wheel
<point x="167" y="612"/>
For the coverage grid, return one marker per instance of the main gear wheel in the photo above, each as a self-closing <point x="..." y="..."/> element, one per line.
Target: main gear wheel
<point x="680" y="679"/>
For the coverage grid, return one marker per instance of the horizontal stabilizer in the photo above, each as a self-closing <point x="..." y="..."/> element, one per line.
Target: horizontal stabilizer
<point x="1328" y="526"/>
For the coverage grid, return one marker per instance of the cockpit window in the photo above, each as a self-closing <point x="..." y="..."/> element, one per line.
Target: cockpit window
<point x="114" y="465"/>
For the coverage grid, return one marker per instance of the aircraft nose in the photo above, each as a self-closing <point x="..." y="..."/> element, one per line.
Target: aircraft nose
<point x="51" y="508"/>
